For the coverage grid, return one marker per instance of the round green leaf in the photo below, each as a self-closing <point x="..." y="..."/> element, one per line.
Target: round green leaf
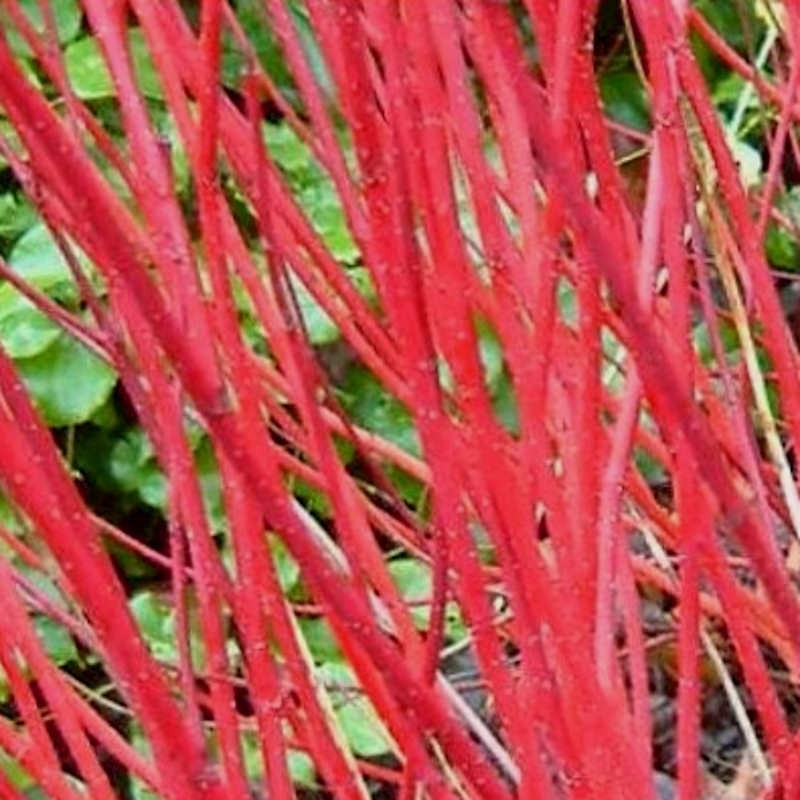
<point x="371" y="406"/>
<point x="57" y="641"/>
<point x="287" y="568"/>
<point x="89" y="74"/>
<point x="362" y="727"/>
<point x="287" y="150"/>
<point x="301" y="768"/>
<point x="131" y="455"/>
<point x="413" y="579"/>
<point x="781" y="244"/>
<point x="38" y="260"/>
<point x="325" y="212"/>
<point x="16" y="214"/>
<point x="27" y="332"/>
<point x="320" y="639"/>
<point x="156" y="621"/>
<point x="321" y="328"/>
<point x="67" y="382"/>
<point x="624" y="98"/>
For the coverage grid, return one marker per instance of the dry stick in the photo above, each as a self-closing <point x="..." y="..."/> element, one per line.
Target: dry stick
<point x="782" y="596"/>
<point x="677" y="414"/>
<point x="479" y="728"/>
<point x="755" y="374"/>
<point x="777" y="454"/>
<point x="735" y="62"/>
<point x="777" y="147"/>
<point x="731" y="692"/>
<point x="777" y="339"/>
<point x="761" y="557"/>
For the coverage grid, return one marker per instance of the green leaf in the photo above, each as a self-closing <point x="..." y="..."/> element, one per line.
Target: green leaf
<point x="504" y="405"/>
<point x="152" y="486"/>
<point x="67" y="382"/>
<point x="27" y="332"/>
<point x="413" y="578"/>
<point x="136" y="469"/>
<point x="15" y="773"/>
<point x="454" y="626"/>
<point x="650" y="469"/>
<point x="362" y="727"/>
<point x="89" y="75"/>
<point x="138" y="790"/>
<point x="207" y="471"/>
<point x="37" y="259"/>
<point x="129" y="457"/>
<point x="156" y="620"/>
<point x="9" y="518"/>
<point x="287" y="568"/>
<point x="324" y="209"/>
<point x="375" y="409"/>
<point x="781" y="244"/>
<point x="287" y="150"/>
<point x="319" y="639"/>
<point x="301" y="768"/>
<point x="67" y="15"/>
<point x="414" y="581"/>
<point x="251" y="16"/>
<point x="254" y="23"/>
<point x="748" y="160"/>
<point x="108" y="416"/>
<point x="625" y="99"/>
<point x="320" y="327"/>
<point x="491" y="354"/>
<point x="16" y="215"/>
<point x="313" y="499"/>
<point x="730" y="89"/>
<point x="57" y="640"/>
<point x="781" y="248"/>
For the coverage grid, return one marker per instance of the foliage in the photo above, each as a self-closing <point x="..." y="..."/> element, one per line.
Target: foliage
<point x="342" y="343"/>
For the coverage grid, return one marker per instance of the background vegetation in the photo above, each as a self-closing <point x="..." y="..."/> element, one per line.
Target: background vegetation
<point x="545" y="474"/>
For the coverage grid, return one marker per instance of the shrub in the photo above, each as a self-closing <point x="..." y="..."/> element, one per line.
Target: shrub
<point x="348" y="346"/>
